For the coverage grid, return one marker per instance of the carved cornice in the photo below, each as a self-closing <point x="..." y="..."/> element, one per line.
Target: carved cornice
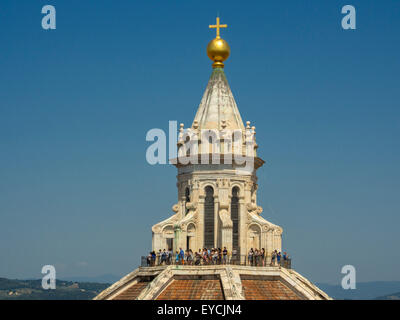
<point x="223" y="183"/>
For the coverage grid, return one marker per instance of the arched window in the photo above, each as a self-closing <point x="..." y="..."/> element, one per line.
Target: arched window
<point x="235" y="220"/>
<point x="187" y="146"/>
<point x="187" y="199"/>
<point x="168" y="235"/>
<point x="209" y="218"/>
<point x="209" y="145"/>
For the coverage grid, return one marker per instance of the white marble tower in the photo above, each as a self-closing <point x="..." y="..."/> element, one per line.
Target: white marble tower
<point x="217" y="201"/>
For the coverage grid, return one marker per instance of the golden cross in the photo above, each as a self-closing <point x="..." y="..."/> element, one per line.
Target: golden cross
<point x="218" y="26"/>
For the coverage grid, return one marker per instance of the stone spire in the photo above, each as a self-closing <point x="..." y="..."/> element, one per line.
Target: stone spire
<point x="218" y="107"/>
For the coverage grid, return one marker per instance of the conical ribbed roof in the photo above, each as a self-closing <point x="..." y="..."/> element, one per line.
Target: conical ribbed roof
<point x="217" y="105"/>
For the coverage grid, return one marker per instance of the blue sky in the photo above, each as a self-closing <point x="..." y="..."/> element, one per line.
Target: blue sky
<point x="76" y="104"/>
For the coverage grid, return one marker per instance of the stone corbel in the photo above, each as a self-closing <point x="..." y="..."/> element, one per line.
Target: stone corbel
<point x="156" y="229"/>
<point x="278" y="230"/>
<point x="192" y="207"/>
<point x="175" y="208"/>
<point x="251" y="207"/>
<point x="266" y="228"/>
<point x="248" y="185"/>
<point x="195" y="184"/>
<point x="225" y="219"/>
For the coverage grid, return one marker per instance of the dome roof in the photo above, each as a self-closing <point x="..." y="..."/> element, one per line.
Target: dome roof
<point x="217" y="282"/>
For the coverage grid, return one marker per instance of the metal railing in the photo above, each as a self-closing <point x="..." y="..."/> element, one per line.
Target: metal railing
<point x="255" y="261"/>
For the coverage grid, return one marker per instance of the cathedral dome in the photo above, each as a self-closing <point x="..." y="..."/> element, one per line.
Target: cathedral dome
<point x="216" y="208"/>
<point x="214" y="282"/>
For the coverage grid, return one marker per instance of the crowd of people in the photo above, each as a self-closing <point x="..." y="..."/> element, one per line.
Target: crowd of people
<point x="180" y="257"/>
<point x="215" y="256"/>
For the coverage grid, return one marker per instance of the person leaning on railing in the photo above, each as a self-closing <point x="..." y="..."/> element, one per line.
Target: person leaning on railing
<point x="273" y="257"/>
<point x="215" y="256"/>
<point x="263" y="256"/>
<point x="224" y="255"/>
<point x="286" y="260"/>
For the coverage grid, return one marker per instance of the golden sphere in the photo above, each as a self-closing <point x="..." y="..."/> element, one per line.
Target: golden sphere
<point x="218" y="50"/>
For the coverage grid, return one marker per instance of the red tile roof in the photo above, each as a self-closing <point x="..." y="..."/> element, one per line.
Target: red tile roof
<point x="267" y="290"/>
<point x="193" y="290"/>
<point x="132" y="292"/>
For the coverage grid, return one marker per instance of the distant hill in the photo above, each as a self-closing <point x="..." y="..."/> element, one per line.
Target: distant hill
<point x="85" y="290"/>
<point x="393" y="296"/>
<point x="65" y="290"/>
<point x="104" y="278"/>
<point x="364" y="290"/>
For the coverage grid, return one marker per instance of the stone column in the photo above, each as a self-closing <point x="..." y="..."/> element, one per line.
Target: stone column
<point x="177" y="237"/>
<point x="183" y="237"/>
<point x="226" y="228"/>
<point x="264" y="241"/>
<point x="216" y="218"/>
<point x="195" y="198"/>
<point x="242" y="229"/>
<point x="182" y="201"/>
<point x="157" y="241"/>
<point x="226" y="240"/>
<point x="270" y="245"/>
<point x="278" y="240"/>
<point x="200" y="224"/>
<point x="225" y="222"/>
<point x="245" y="200"/>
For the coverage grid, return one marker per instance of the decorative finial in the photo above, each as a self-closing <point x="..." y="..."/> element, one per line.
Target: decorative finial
<point x="180" y="136"/>
<point x="218" y="49"/>
<point x="218" y="26"/>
